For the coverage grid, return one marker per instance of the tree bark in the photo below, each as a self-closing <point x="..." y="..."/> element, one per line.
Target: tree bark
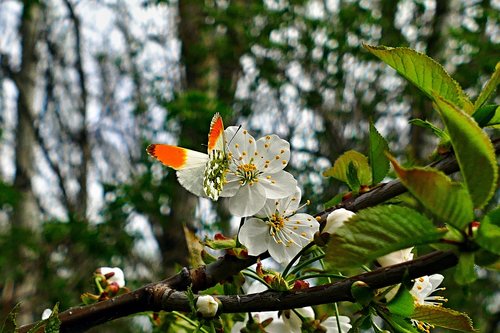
<point x="26" y="215"/>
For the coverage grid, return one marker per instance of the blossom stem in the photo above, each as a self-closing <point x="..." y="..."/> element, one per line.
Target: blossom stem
<point x="297" y="256"/>
<point x="327" y="275"/>
<point x="337" y="317"/>
<point x="190" y="321"/>
<point x="254" y="276"/>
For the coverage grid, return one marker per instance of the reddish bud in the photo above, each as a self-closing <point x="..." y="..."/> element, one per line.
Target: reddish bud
<point x="300" y="284"/>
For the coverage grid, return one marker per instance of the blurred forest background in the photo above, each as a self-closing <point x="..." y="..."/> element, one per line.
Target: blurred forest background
<point x="86" y="85"/>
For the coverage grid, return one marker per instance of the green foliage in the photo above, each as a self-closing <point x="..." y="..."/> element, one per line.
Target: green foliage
<point x="488" y="235"/>
<point x="352" y="168"/>
<point x="402" y="304"/>
<point x="486" y="115"/>
<point x="10" y="324"/>
<point x="362" y="293"/>
<point x="443" y="317"/>
<point x="465" y="272"/>
<point x="377" y="231"/>
<point x="473" y="149"/>
<point x="424" y="72"/>
<point x="489" y="88"/>
<point x="448" y="200"/>
<point x="436" y="130"/>
<point x="378" y="159"/>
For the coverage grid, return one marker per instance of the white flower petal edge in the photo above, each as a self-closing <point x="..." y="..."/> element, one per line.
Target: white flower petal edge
<point x="255" y="171"/>
<point x="423" y="288"/>
<point x="396" y="257"/>
<point x="279" y="229"/>
<point x="330" y="324"/>
<point x="336" y="219"/>
<point x="118" y="277"/>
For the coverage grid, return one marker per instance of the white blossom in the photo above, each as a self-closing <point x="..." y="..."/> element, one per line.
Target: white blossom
<point x="279" y="229"/>
<point x="396" y="257"/>
<point x="331" y="326"/>
<point x="118" y="277"/>
<point x="255" y="171"/>
<point x="423" y="288"/>
<point x="288" y="322"/>
<point x="207" y="306"/>
<point x="336" y="219"/>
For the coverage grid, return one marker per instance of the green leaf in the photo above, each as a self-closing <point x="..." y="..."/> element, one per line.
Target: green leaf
<point x="495" y="118"/>
<point x="10" y="324"/>
<point x="352" y="177"/>
<point x="335" y="200"/>
<point x="443" y="317"/>
<point x="489" y="88"/>
<point x="474" y="152"/>
<point x="378" y="160"/>
<point x="436" y="130"/>
<point x="53" y="322"/>
<point x="402" y="304"/>
<point x="488" y="235"/>
<point x="484" y="115"/>
<point x="448" y="200"/>
<point x="424" y="72"/>
<point x="340" y="168"/>
<point x="400" y="324"/>
<point x="377" y="231"/>
<point x="464" y="272"/>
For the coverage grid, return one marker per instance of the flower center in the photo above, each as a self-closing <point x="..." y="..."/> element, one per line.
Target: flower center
<point x="247" y="173"/>
<point x="276" y="222"/>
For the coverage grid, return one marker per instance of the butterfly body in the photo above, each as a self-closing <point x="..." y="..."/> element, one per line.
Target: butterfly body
<point x="201" y="174"/>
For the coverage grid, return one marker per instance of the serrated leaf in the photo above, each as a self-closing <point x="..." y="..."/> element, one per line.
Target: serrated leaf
<point x="473" y="150"/>
<point x="489" y="88"/>
<point x="341" y="167"/>
<point x="10" y="324"/>
<point x="436" y="130"/>
<point x="378" y="160"/>
<point x="443" y="317"/>
<point x="377" y="231"/>
<point x="465" y="272"/>
<point x="402" y="304"/>
<point x="488" y="235"/>
<point x="448" y="200"/>
<point x="424" y="72"/>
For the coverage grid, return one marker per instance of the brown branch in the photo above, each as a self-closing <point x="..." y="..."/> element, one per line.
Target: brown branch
<point x="167" y="295"/>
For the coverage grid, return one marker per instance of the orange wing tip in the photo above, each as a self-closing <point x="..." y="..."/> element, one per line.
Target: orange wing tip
<point x="216" y="130"/>
<point x="171" y="156"/>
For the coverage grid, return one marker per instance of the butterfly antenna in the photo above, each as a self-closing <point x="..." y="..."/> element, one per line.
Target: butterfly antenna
<point x="239" y="127"/>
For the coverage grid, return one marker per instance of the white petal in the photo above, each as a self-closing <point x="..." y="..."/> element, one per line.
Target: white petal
<point x="290" y="204"/>
<point x="46" y="314"/>
<point x="330" y="324"/>
<point x="273" y="153"/>
<point x="278" y="185"/>
<point x="240" y="144"/>
<point x="282" y="253"/>
<point x="395" y="257"/>
<point x="435" y="280"/>
<point x="248" y="200"/>
<point x="254" y="234"/>
<point x="231" y="187"/>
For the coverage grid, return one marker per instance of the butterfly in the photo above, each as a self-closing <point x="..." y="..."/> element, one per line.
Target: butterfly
<point x="199" y="173"/>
